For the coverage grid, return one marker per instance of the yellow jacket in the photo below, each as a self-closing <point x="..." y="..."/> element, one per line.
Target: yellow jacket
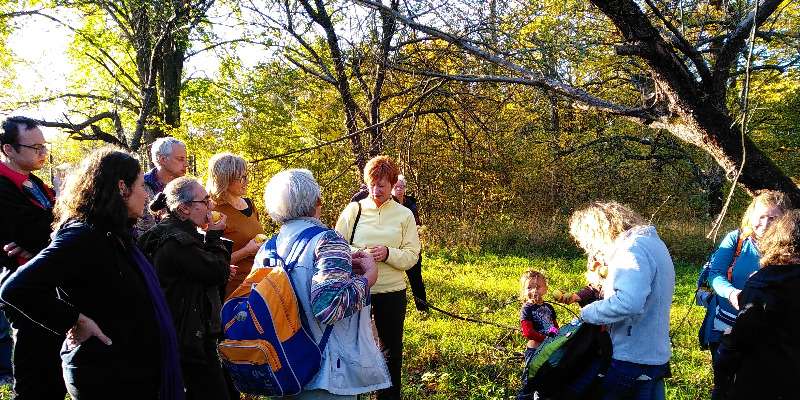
<point x="390" y="225"/>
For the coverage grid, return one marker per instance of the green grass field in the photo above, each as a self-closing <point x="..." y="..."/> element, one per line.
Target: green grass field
<point x="451" y="359"/>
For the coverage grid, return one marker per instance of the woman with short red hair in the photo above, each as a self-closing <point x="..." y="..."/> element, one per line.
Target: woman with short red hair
<point x="387" y="231"/>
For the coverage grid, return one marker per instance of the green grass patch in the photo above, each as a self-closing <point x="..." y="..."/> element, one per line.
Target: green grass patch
<point x="447" y="358"/>
<point x="452" y="359"/>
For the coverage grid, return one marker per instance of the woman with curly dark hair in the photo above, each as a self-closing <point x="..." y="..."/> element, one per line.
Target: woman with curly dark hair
<point x="120" y="341"/>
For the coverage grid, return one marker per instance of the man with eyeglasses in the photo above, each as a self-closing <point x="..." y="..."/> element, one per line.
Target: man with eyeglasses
<point x="27" y="206"/>
<point x="169" y="157"/>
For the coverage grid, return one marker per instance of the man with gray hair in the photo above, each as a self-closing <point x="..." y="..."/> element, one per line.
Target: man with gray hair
<point x="169" y="157"/>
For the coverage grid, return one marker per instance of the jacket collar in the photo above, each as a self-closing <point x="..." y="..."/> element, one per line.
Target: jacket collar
<point x="774" y="274"/>
<point x="368" y="203"/>
<point x="19" y="180"/>
<point x="151" y="179"/>
<point x="186" y="225"/>
<point x="14" y="176"/>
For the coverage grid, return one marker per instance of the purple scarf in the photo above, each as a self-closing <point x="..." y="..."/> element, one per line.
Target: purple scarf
<point x="171" y="382"/>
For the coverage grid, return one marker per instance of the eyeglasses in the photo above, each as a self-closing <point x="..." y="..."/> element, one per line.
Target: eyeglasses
<point x="38" y="148"/>
<point x="206" y="201"/>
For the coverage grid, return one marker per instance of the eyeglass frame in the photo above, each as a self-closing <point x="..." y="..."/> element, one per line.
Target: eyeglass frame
<point x="40" y="149"/>
<point x="206" y="201"/>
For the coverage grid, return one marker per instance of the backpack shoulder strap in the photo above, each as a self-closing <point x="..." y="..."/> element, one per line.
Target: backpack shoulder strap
<point x="739" y="244"/>
<point x="297" y="248"/>
<point x="355" y="222"/>
<point x="300" y="244"/>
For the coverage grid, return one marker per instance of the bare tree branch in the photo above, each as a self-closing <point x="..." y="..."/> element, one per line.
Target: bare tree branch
<point x="528" y="78"/>
<point x="348" y="136"/>
<point x="76" y="131"/>
<point x="310" y="71"/>
<point x="585" y="100"/>
<point x="736" y="40"/>
<point x="15" y="14"/>
<point x="222" y="43"/>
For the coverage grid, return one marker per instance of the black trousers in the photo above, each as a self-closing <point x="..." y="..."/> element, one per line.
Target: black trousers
<point x="417" y="285"/>
<point x="205" y="381"/>
<point x="389" y="312"/>
<point x="37" y="363"/>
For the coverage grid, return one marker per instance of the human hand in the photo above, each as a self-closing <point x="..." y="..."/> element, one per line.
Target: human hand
<point x="85" y="328"/>
<point x="734" y="298"/>
<point x="379" y="253"/>
<point x="251" y="248"/>
<point x="233" y="270"/>
<point x="219" y="224"/>
<point x="359" y="254"/>
<point x="364" y="264"/>
<point x="13" y="250"/>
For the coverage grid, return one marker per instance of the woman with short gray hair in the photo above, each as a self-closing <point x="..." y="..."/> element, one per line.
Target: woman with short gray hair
<point x="192" y="267"/>
<point x="333" y="288"/>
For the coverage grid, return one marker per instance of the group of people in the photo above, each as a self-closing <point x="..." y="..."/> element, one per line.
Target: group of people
<point x="114" y="287"/>
<point x="751" y="330"/>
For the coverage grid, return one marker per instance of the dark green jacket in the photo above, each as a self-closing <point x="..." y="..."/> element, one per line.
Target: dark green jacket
<point x="191" y="268"/>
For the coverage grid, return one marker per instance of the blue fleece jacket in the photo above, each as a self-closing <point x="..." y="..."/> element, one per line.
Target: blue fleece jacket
<point x="638" y="297"/>
<point x="746" y="264"/>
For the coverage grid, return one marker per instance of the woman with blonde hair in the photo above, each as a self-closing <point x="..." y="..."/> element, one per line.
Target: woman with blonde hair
<point x="388" y="232"/>
<point x="637" y="297"/>
<point x="762" y="349"/>
<point x="226" y="185"/>
<point x="736" y="258"/>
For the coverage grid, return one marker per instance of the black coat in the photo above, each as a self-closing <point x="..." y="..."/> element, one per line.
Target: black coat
<point x="764" y="344"/>
<point x="24" y="222"/>
<point x="96" y="272"/>
<point x="191" y="268"/>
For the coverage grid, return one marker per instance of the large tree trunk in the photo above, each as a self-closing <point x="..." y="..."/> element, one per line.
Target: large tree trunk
<point x="695" y="111"/>
<point x="170" y="80"/>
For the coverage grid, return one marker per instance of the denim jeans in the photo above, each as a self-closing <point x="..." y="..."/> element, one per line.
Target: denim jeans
<point x="627" y="380"/>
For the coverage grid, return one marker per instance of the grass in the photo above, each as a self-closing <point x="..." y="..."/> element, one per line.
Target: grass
<point x="446" y="358"/>
<point x="451" y="359"/>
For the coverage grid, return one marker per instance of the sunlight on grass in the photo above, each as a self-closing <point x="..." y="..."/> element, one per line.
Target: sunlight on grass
<point x="447" y="358"/>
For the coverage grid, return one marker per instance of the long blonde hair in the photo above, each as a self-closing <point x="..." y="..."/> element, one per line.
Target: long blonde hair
<point x="767" y="198"/>
<point x="597" y="225"/>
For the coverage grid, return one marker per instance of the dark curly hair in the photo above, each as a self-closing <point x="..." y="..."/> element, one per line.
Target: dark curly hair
<point x="91" y="193"/>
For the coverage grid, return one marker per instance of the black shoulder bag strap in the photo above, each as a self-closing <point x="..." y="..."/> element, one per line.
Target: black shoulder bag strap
<point x="355" y="223"/>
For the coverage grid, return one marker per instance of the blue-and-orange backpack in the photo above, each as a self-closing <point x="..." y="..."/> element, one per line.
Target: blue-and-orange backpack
<point x="267" y="348"/>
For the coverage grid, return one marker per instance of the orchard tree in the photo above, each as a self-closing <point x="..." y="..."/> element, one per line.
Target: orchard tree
<point x="677" y="66"/>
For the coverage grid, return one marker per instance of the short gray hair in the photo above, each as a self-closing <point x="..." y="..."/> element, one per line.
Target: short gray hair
<point x="290" y="194"/>
<point x="401" y="178"/>
<point x="162" y="147"/>
<point x="180" y="191"/>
